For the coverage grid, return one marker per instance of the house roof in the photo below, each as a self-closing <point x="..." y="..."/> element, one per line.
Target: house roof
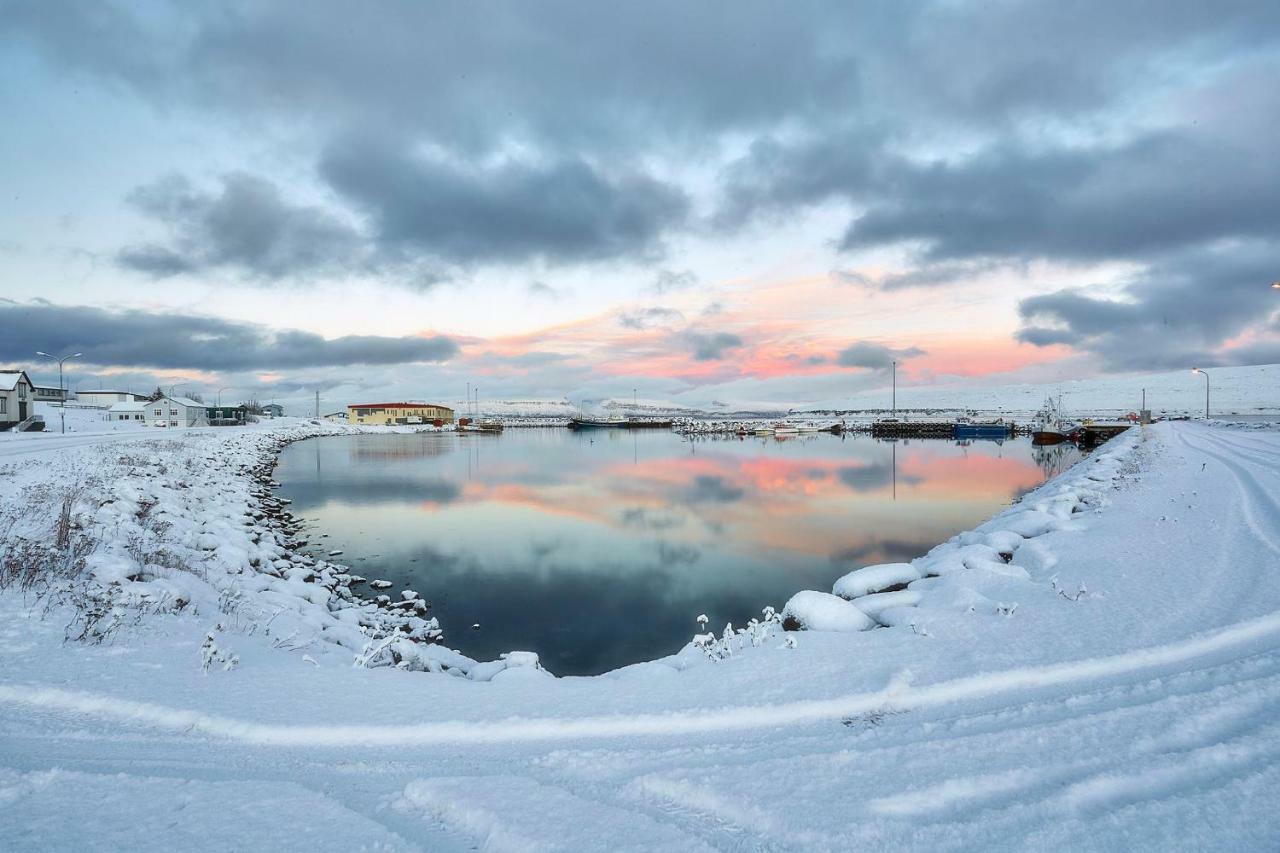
<point x="9" y="379"/>
<point x="104" y="391"/>
<point x="186" y="401"/>
<point x="398" y="406"/>
<point x="128" y="407"/>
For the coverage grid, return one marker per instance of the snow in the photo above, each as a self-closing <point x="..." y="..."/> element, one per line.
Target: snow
<point x="1096" y="667"/>
<point x="819" y="611"/>
<point x="875" y="579"/>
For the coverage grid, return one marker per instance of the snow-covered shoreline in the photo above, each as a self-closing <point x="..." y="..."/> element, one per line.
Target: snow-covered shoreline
<point x="1094" y="666"/>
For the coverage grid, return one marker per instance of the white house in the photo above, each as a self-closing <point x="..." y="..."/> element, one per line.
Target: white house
<point x="16" y="398"/>
<point x="105" y="398"/>
<point x="175" y="412"/>
<point x="127" y="412"/>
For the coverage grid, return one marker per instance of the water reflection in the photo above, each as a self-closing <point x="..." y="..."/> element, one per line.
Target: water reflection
<point x="598" y="550"/>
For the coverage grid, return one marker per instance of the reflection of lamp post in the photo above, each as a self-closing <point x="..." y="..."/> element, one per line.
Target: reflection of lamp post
<point x="62" y="392"/>
<point x="1206" y="390"/>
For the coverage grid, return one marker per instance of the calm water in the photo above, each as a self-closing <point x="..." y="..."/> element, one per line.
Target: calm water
<point x="599" y="549"/>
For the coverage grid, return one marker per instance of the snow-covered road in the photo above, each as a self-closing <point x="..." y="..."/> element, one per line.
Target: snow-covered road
<point x="1140" y="715"/>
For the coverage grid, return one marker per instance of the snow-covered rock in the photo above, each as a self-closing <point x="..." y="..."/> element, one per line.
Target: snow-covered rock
<point x="810" y="610"/>
<point x="871" y="579"/>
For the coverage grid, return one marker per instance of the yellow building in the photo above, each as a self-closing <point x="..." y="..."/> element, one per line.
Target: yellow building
<point x="399" y="413"/>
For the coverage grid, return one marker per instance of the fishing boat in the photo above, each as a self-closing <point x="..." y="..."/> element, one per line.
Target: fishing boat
<point x="785" y="429"/>
<point x="613" y="422"/>
<point x="1050" y="427"/>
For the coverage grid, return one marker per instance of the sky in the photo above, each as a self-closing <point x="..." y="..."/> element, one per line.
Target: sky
<point x="698" y="203"/>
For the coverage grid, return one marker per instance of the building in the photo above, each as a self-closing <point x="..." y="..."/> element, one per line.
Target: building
<point x="17" y="397"/>
<point x="336" y="416"/>
<point x="175" y="412"/>
<point x="273" y="410"/>
<point x="48" y="395"/>
<point x="127" y="412"/>
<point x="399" y="413"/>
<point x="225" y="415"/>
<point x="106" y="399"/>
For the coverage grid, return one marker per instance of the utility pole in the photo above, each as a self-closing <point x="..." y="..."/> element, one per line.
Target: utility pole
<point x="62" y="391"/>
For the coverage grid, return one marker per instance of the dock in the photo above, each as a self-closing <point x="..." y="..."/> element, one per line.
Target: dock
<point x="912" y="429"/>
<point x="1093" y="434"/>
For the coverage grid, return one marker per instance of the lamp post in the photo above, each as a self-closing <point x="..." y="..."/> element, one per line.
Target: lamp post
<point x="62" y="392"/>
<point x="1206" y="390"/>
<point x="217" y="400"/>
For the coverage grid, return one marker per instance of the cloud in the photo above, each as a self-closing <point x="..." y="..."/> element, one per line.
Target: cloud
<point x="1184" y="310"/>
<point x="710" y="346"/>
<point x="558" y="211"/>
<point x="246" y="226"/>
<point x="668" y="280"/>
<point x="647" y="318"/>
<point x="184" y="341"/>
<point x="873" y="356"/>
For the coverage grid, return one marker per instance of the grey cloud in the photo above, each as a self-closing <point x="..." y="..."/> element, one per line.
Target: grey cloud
<point x="647" y="318"/>
<point x="1178" y="312"/>
<point x="711" y="346"/>
<point x="555" y="212"/>
<point x="183" y="341"/>
<point x="873" y="356"/>
<point x="668" y="280"/>
<point x="246" y="226"/>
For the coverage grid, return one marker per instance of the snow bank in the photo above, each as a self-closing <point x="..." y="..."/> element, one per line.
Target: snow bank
<point x="809" y="610"/>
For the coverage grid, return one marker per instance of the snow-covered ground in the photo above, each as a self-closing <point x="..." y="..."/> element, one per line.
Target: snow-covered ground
<point x="1098" y="667"/>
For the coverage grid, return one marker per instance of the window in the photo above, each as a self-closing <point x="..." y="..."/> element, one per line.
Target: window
<point x="173" y="423"/>
<point x="159" y="413"/>
<point x="173" y="412"/>
<point x="4" y="405"/>
<point x="22" y="391"/>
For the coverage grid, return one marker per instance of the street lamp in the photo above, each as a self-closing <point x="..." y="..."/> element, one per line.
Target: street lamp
<point x="1206" y="390"/>
<point x="1275" y="285"/>
<point x="218" y="398"/>
<point x="62" y="392"/>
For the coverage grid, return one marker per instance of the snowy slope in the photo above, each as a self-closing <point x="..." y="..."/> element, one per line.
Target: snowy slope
<point x="1112" y="686"/>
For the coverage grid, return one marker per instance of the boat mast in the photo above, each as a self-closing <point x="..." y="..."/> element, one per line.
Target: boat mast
<point x="895" y="388"/>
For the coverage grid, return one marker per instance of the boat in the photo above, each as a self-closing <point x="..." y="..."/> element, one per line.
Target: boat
<point x="969" y="428"/>
<point x="481" y="426"/>
<point x="1050" y="427"/>
<point x="785" y="429"/>
<point x="584" y="422"/>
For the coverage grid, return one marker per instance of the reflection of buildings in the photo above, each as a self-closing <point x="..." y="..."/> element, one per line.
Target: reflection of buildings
<point x="371" y="447"/>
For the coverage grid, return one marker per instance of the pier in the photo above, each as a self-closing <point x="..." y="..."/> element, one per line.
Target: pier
<point x="913" y="429"/>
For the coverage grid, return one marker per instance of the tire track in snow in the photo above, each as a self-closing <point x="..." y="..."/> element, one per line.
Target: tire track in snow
<point x="1240" y="638"/>
<point x="1252" y="493"/>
